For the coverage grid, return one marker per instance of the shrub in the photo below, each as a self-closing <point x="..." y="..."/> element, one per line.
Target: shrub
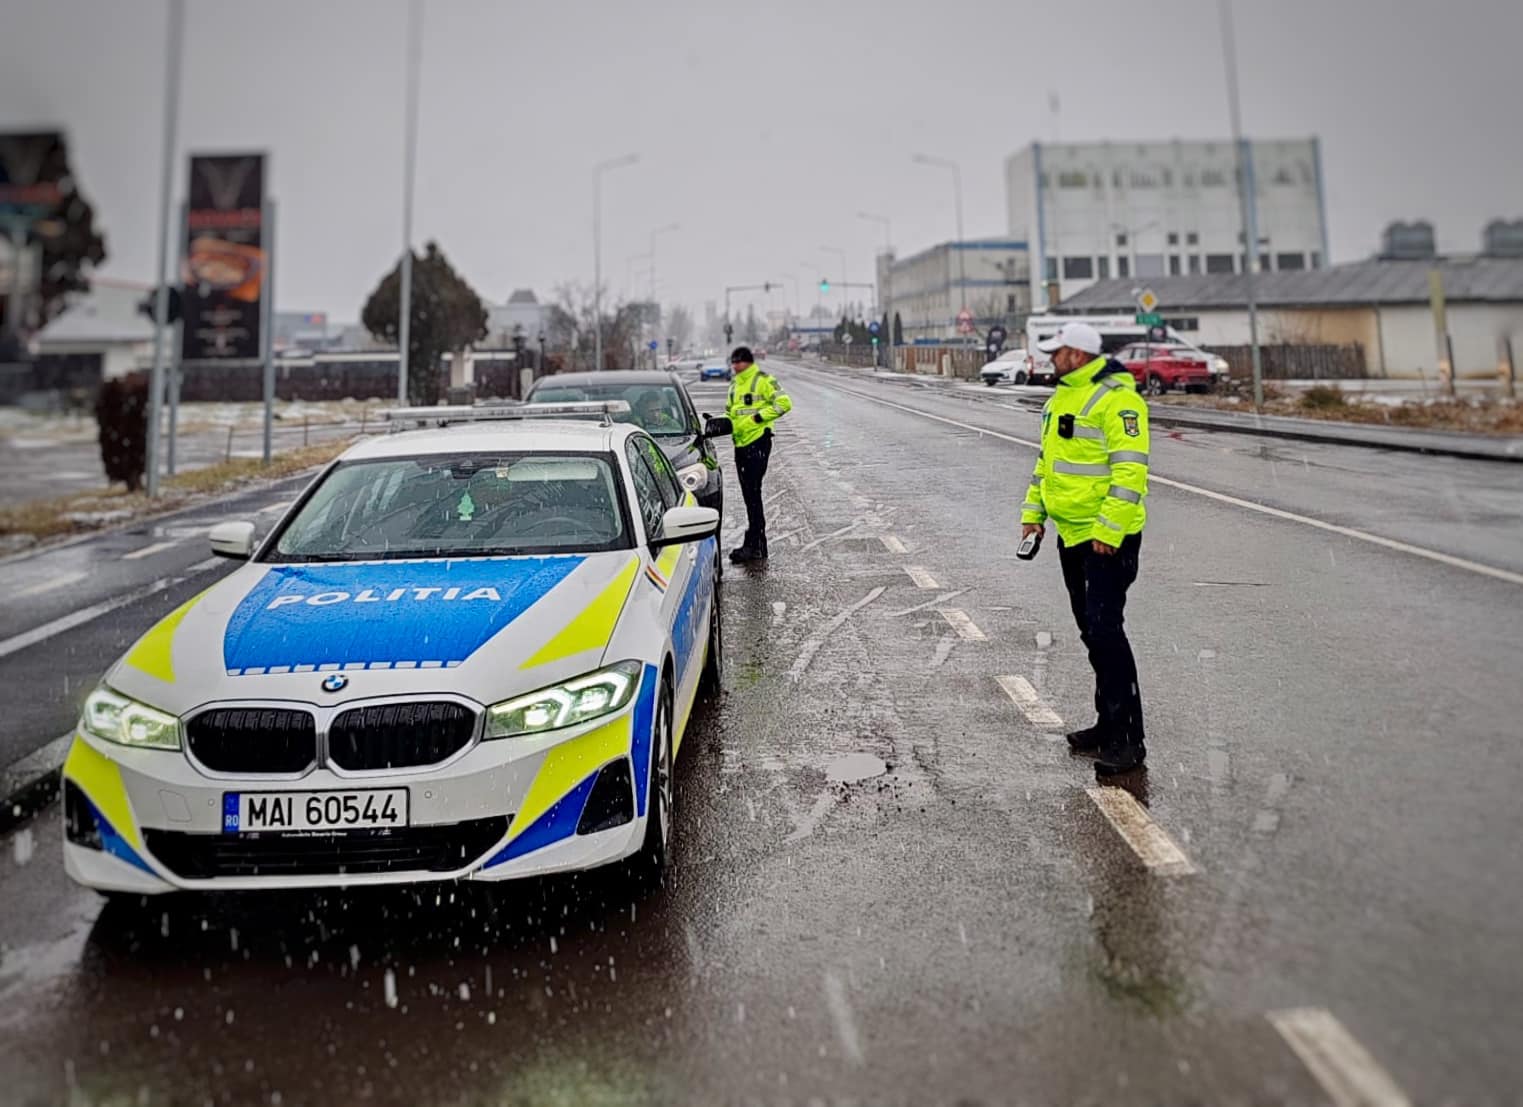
<point x="121" y="414"/>
<point x="1321" y="397"/>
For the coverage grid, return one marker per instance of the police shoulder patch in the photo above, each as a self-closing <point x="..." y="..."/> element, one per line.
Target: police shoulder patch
<point x="1129" y="424"/>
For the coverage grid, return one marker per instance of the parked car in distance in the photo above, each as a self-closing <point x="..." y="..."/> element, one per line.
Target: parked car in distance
<point x="1018" y="366"/>
<point x="1159" y="367"/>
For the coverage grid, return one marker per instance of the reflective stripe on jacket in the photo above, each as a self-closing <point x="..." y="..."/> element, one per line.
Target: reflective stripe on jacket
<point x="756" y="402"/>
<point x="1092" y="485"/>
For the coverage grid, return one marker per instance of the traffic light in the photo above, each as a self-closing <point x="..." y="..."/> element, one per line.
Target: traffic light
<point x="767" y="287"/>
<point x="729" y="334"/>
<point x="824" y="284"/>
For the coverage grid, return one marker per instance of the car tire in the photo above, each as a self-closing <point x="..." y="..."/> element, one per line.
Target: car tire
<point x="711" y="683"/>
<point x="989" y="381"/>
<point x="647" y="866"/>
<point x="1156" y="387"/>
<point x="1020" y="376"/>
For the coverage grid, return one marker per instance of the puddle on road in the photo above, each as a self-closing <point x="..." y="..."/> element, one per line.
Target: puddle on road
<point x="854" y="768"/>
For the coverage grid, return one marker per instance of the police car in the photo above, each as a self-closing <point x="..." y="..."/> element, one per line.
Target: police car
<point x="469" y="651"/>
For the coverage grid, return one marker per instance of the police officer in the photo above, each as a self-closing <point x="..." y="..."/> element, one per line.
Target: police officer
<point x="1091" y="478"/>
<point x="756" y="402"/>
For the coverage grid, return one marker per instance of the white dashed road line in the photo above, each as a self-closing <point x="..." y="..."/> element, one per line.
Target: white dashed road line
<point x="1025" y="697"/>
<point x="846" y="1023"/>
<point x="52" y="584"/>
<point x="966" y="629"/>
<point x="149" y="551"/>
<point x="95" y="611"/>
<point x="1344" y="1068"/>
<point x="1263" y="509"/>
<point x="921" y="578"/>
<point x="1149" y="841"/>
<point x="893" y="545"/>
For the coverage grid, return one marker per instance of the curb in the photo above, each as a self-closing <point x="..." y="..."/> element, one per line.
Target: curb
<point x="29" y="785"/>
<point x="1415" y="440"/>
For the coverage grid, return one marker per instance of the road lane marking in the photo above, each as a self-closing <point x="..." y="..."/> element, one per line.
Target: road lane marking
<point x="52" y="583"/>
<point x="921" y="578"/>
<point x="86" y="614"/>
<point x="779" y="609"/>
<point x="1344" y="1068"/>
<point x="929" y="603"/>
<point x="812" y="647"/>
<point x="833" y="534"/>
<point x="841" y="1015"/>
<point x="1264" y="509"/>
<point x="964" y="626"/>
<point x="892" y="544"/>
<point x="1025" y="697"/>
<point x="149" y="551"/>
<point x="1149" y="841"/>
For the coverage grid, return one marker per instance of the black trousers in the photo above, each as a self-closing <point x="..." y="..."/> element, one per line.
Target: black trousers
<point x="751" y="468"/>
<point x="1097" y="585"/>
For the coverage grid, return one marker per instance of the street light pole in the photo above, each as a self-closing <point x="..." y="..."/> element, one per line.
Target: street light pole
<point x="962" y="268"/>
<point x="597" y="249"/>
<point x="409" y="167"/>
<point x="842" y="255"/>
<point x="885" y="294"/>
<point x="161" y="293"/>
<point x="1246" y="200"/>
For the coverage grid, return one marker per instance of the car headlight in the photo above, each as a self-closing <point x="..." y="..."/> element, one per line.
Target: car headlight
<point x="576" y="701"/>
<point x="694" y="477"/>
<point x="129" y="723"/>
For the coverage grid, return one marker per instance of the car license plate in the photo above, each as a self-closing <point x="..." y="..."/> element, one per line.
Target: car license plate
<point x="251" y="812"/>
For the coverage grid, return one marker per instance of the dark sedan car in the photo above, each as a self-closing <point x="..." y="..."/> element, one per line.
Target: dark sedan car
<point x="658" y="403"/>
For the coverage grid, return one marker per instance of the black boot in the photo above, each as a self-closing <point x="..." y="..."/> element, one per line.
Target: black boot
<point x="741" y="554"/>
<point x="1114" y="759"/>
<point x="1087" y="741"/>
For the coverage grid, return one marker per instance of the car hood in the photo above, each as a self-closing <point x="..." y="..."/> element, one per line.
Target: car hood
<point x="680" y="451"/>
<point x="486" y="628"/>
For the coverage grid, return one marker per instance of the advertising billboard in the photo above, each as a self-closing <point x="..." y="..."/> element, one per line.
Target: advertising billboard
<point x="225" y="265"/>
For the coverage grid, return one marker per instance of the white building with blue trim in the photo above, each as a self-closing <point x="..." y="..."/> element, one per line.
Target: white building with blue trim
<point x="1094" y="211"/>
<point x="990" y="277"/>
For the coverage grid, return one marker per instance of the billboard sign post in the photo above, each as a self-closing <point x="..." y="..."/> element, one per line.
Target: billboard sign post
<point x="226" y="264"/>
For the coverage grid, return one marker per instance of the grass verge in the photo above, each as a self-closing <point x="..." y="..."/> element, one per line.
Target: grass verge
<point x="24" y="525"/>
<point x="1479" y="416"/>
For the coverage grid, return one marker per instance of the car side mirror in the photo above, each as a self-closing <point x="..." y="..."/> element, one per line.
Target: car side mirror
<point x="717" y="426"/>
<point x="235" y="540"/>
<point x="681" y="525"/>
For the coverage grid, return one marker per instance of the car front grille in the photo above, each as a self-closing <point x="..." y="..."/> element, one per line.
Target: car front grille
<point x="253" y="739"/>
<point x="399" y="735"/>
<point x="434" y="849"/>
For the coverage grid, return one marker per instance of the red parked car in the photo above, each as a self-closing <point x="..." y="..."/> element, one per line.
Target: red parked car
<point x="1160" y="367"/>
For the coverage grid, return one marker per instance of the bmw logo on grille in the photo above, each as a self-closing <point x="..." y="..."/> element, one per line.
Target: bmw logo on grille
<point x="335" y="682"/>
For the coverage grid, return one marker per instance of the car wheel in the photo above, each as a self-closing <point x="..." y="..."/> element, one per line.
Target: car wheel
<point x="1156" y="387"/>
<point x="989" y="381"/>
<point x="648" y="865"/>
<point x="1020" y="376"/>
<point x="711" y="684"/>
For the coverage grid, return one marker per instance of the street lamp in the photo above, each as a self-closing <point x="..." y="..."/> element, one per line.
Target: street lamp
<point x="1246" y="202"/>
<point x="176" y="41"/>
<point x="885" y="293"/>
<point x="668" y="229"/>
<point x="597" y="248"/>
<point x="409" y="173"/>
<point x="962" y="269"/>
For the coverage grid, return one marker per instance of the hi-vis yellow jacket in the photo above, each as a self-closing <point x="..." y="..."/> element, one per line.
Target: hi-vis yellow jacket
<point x="756" y="402"/>
<point x="1091" y="482"/>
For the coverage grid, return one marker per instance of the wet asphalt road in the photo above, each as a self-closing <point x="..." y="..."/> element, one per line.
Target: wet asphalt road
<point x="1333" y="732"/>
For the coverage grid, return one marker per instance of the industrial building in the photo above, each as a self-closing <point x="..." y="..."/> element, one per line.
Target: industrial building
<point x="1104" y="210"/>
<point x="991" y="277"/>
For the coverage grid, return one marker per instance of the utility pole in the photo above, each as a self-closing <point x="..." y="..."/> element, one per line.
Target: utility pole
<point x="161" y="293"/>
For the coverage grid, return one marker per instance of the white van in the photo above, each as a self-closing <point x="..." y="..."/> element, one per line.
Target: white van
<point x="1116" y="331"/>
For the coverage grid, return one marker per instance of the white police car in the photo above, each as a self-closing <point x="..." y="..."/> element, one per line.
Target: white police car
<point x="466" y="652"/>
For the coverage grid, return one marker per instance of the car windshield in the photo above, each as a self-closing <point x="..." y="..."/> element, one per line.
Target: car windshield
<point x="471" y="505"/>
<point x="656" y="409"/>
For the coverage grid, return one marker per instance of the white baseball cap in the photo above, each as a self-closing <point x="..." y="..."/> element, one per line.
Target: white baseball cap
<point x="1076" y="336"/>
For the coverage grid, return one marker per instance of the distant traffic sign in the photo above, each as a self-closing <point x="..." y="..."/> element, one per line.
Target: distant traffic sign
<point x="654" y="345"/>
<point x="1149" y="319"/>
<point x="874" y="327"/>
<point x="964" y="322"/>
<point x="1147" y="300"/>
<point x="846" y="338"/>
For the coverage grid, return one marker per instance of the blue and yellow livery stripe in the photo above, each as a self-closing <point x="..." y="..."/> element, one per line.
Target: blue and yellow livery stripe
<point x="593" y="627"/>
<point x="98" y="777"/>
<point x="154" y="652"/>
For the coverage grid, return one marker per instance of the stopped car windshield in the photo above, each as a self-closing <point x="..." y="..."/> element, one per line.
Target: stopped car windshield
<point x="472" y="505"/>
<point x="655" y="408"/>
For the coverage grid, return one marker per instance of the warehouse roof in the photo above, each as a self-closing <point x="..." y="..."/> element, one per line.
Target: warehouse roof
<point x="1380" y="281"/>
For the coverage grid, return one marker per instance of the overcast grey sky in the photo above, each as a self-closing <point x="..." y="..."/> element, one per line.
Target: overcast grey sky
<point x="763" y="128"/>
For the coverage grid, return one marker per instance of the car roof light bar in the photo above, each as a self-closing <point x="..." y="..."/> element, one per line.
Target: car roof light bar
<point x="446" y="414"/>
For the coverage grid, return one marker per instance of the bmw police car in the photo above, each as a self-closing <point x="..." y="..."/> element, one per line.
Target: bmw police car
<point x="469" y="651"/>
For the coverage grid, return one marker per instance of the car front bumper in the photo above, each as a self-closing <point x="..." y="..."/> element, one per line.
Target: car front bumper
<point x="149" y="821"/>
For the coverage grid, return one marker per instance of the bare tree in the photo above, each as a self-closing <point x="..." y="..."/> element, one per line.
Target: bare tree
<point x="571" y="333"/>
<point x="679" y="326"/>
